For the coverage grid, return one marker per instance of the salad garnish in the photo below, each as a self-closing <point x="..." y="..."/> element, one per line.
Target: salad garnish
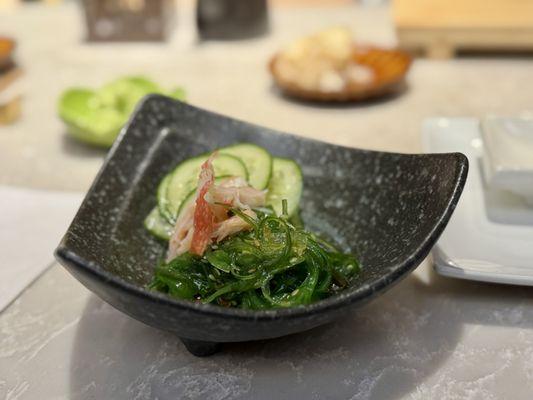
<point x="236" y="245"/>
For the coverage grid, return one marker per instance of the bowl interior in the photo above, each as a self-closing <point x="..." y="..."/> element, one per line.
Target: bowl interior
<point x="388" y="208"/>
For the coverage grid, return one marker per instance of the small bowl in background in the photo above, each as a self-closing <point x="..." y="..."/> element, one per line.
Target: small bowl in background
<point x="389" y="67"/>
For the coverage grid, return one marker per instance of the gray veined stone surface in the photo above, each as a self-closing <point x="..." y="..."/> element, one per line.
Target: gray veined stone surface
<point x="428" y="338"/>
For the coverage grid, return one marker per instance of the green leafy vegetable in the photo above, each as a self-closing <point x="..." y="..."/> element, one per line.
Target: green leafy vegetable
<point x="276" y="264"/>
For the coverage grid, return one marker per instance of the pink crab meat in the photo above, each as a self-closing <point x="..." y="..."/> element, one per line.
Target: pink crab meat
<point x="236" y="192"/>
<point x="180" y="241"/>
<point x="204" y="219"/>
<point x="232" y="226"/>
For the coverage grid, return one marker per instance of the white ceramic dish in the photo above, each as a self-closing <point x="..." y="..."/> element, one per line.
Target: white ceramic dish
<point x="508" y="154"/>
<point x="490" y="235"/>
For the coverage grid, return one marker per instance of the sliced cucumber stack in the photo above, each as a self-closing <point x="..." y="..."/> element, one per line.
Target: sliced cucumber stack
<point x="184" y="179"/>
<point x="282" y="177"/>
<point x="286" y="183"/>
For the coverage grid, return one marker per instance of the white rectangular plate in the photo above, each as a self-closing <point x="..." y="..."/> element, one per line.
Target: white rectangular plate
<point x="490" y="235"/>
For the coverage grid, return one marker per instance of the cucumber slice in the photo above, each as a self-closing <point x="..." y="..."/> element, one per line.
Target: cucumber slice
<point x="158" y="225"/>
<point x="286" y="183"/>
<point x="162" y="200"/>
<point x="184" y="179"/>
<point x="257" y="160"/>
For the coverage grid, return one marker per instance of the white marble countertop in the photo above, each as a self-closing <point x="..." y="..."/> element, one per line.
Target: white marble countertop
<point x="428" y="338"/>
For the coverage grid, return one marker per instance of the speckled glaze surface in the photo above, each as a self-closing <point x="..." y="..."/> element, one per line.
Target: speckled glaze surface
<point x="388" y="208"/>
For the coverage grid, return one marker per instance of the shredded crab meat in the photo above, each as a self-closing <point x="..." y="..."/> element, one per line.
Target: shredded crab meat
<point x="180" y="241"/>
<point x="236" y="193"/>
<point x="232" y="225"/>
<point x="206" y="220"/>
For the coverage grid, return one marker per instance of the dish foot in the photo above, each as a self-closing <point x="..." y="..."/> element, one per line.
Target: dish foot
<point x="199" y="348"/>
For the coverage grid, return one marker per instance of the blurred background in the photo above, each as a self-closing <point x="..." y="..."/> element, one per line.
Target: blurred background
<point x="218" y="53"/>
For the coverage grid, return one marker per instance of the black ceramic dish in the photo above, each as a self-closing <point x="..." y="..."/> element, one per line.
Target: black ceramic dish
<point x="389" y="208"/>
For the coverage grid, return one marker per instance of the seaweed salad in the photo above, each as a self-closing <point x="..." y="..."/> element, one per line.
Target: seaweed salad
<point x="234" y="234"/>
